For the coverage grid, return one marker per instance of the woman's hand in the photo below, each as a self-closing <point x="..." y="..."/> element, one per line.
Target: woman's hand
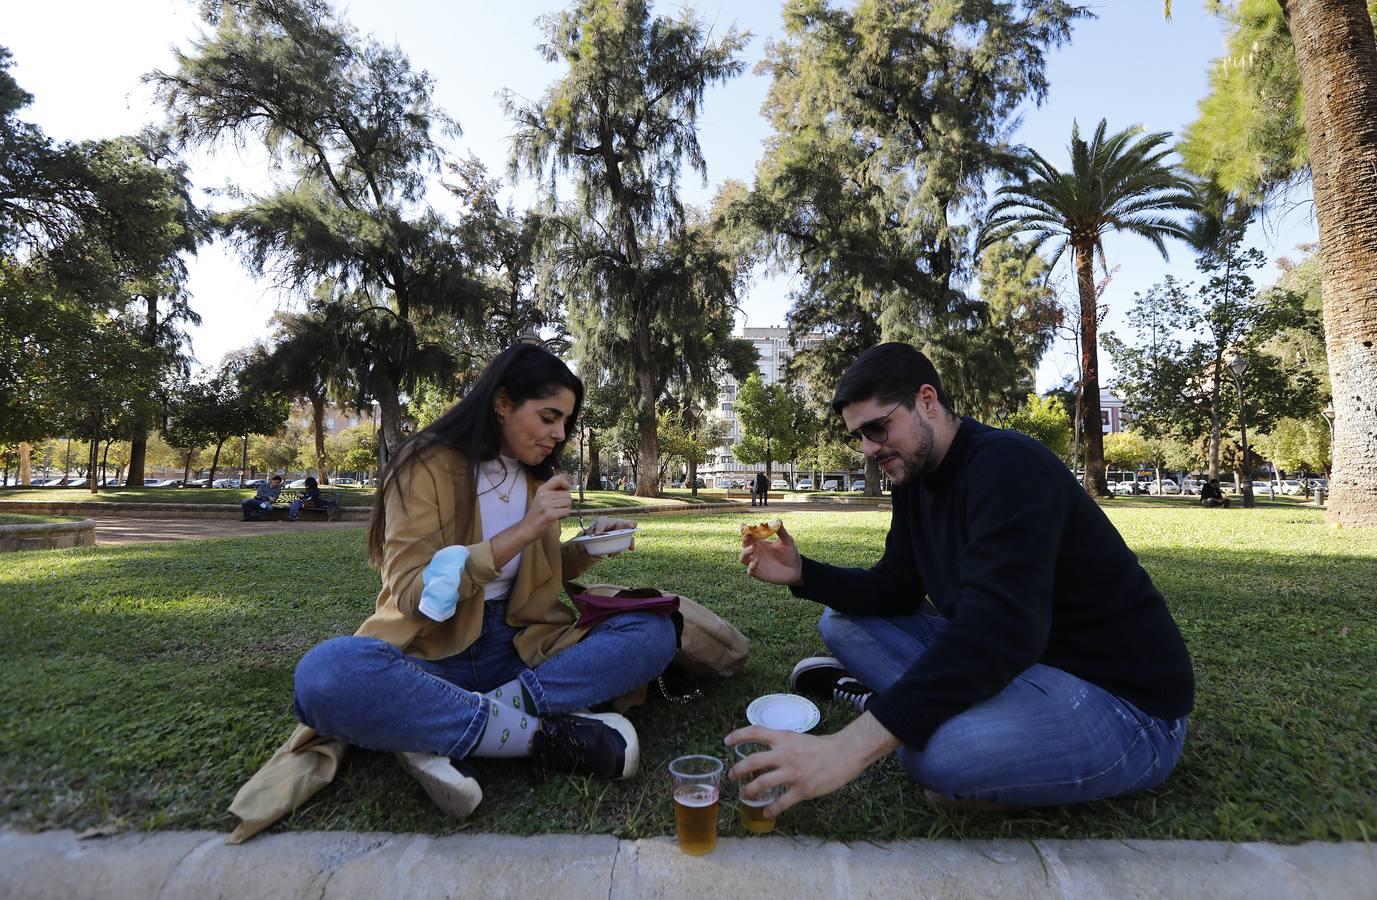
<point x="604" y="524"/>
<point x="774" y="562"/>
<point x="552" y="502"/>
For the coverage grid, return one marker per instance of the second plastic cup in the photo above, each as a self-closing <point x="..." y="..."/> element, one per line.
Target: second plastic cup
<point x="753" y="810"/>
<point x="697" y="782"/>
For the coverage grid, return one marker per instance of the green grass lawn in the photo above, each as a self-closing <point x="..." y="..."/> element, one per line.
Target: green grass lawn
<point x="143" y="684"/>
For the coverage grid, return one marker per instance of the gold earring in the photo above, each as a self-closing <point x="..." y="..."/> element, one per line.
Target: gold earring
<point x="500" y="418"/>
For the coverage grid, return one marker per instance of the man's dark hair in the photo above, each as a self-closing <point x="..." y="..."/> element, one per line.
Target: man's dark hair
<point x="276" y="478"/>
<point x="888" y="373"/>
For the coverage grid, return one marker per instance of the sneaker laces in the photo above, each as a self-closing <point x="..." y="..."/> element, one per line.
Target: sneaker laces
<point x="849" y="690"/>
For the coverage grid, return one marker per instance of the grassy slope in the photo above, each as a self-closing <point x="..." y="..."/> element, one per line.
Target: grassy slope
<point x="143" y="684"/>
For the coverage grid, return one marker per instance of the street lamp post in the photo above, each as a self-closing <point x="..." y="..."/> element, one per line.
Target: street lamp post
<point x="1237" y="366"/>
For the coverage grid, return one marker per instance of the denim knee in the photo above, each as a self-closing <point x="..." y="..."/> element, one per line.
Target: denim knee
<point x="330" y="669"/>
<point x="656" y="640"/>
<point x="836" y="629"/>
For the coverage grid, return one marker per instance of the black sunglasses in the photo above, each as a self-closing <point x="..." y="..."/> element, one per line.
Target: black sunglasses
<point x="876" y="431"/>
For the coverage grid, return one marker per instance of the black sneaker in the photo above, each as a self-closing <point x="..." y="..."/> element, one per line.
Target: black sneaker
<point x="603" y="745"/>
<point x="825" y="678"/>
<point x="450" y="783"/>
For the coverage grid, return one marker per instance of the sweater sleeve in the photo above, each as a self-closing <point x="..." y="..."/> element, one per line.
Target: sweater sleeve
<point x="414" y="533"/>
<point x="890" y="587"/>
<point x="1014" y="514"/>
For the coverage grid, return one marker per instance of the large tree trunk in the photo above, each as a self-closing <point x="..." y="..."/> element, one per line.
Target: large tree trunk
<point x="592" y="476"/>
<point x="138" y="446"/>
<point x="646" y="423"/>
<point x="318" y="426"/>
<point x="1095" y="483"/>
<point x="25" y="471"/>
<point x="215" y="460"/>
<point x="1337" y="57"/>
<point x="390" y="409"/>
<point x="872" y="477"/>
<point x="1214" y="419"/>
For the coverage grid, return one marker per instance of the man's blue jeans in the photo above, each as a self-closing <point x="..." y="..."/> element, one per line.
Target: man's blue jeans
<point x="366" y="692"/>
<point x="1048" y="739"/>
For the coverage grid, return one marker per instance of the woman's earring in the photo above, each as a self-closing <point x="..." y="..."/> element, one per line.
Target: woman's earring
<point x="500" y="418"/>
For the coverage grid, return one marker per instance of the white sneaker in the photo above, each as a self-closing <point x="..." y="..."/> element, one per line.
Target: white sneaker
<point x="450" y="784"/>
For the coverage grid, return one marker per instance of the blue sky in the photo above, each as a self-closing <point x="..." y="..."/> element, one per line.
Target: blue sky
<point x="83" y="61"/>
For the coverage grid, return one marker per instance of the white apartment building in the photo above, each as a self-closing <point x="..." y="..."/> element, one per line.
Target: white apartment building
<point x="772" y="344"/>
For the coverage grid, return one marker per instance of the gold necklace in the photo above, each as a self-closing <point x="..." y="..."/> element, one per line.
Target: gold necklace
<point x="497" y="485"/>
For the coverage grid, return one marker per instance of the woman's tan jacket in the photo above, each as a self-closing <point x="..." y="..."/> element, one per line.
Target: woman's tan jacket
<point x="436" y="507"/>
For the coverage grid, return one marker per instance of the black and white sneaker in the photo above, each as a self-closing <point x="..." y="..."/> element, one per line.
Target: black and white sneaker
<point x="603" y="745"/>
<point x="825" y="678"/>
<point x="450" y="783"/>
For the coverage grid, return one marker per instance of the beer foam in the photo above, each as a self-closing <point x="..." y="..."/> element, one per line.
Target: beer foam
<point x="695" y="796"/>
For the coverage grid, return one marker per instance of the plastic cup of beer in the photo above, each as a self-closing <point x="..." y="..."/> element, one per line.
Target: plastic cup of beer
<point x="753" y="809"/>
<point x="697" y="784"/>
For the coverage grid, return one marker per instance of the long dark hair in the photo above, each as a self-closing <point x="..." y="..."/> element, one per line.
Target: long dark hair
<point x="524" y="372"/>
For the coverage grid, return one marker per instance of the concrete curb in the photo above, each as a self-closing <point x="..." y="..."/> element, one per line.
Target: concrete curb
<point x="342" y="866"/>
<point x="47" y="535"/>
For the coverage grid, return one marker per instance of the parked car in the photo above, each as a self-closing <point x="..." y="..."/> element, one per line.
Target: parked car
<point x="1292" y="487"/>
<point x="225" y="483"/>
<point x="858" y="487"/>
<point x="197" y="482"/>
<point x="256" y="483"/>
<point x="779" y="484"/>
<point x="345" y="481"/>
<point x="831" y="484"/>
<point x="1121" y="488"/>
<point x="1163" y="488"/>
<point x="805" y="484"/>
<point x="167" y="483"/>
<point x="42" y="482"/>
<point x="1190" y="487"/>
<point x="297" y="485"/>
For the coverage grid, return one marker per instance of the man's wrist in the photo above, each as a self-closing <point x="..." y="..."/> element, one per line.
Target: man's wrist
<point x="870" y="740"/>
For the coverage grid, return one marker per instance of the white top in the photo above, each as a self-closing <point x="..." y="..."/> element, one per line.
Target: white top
<point x="500" y="478"/>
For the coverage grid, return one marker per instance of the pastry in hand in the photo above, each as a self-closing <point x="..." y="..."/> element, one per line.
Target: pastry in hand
<point x="763" y="531"/>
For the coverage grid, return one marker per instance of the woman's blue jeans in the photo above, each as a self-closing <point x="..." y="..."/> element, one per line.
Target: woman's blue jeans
<point x="1048" y="739"/>
<point x="366" y="692"/>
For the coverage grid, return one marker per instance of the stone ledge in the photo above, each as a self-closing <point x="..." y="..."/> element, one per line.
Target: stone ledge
<point x="345" y="866"/>
<point x="47" y="536"/>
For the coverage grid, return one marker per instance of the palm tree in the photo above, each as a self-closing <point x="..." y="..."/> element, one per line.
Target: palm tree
<point x="1119" y="182"/>
<point x="1336" y="54"/>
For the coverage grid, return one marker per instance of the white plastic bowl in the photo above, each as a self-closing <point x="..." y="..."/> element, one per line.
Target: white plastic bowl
<point x="606" y="543"/>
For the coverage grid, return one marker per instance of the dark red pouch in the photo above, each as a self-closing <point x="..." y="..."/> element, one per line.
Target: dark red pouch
<point x="593" y="608"/>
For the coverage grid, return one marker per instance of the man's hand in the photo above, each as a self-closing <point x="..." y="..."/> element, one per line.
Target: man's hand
<point x="774" y="562"/>
<point x="810" y="765"/>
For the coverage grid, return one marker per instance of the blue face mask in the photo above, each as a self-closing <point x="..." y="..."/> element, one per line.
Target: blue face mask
<point x="441" y="578"/>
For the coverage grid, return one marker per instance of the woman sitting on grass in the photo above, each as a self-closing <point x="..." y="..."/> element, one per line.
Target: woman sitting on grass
<point x="470" y="652"/>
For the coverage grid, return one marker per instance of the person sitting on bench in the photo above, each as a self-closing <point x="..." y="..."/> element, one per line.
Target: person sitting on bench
<point x="262" y="500"/>
<point x="309" y="499"/>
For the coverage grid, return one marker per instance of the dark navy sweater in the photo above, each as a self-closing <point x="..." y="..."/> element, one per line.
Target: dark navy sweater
<point x="1027" y="569"/>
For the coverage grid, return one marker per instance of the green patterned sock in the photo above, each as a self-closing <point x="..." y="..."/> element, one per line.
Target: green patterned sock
<point x="508" y="733"/>
<point x="513" y="694"/>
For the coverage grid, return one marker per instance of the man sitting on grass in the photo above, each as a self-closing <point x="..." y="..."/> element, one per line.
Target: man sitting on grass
<point x="1047" y="669"/>
<point x="1211" y="495"/>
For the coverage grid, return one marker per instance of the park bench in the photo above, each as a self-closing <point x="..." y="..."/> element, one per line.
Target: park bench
<point x="328" y="508"/>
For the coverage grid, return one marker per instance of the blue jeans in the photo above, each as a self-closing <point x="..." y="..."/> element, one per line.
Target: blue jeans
<point x="366" y="692"/>
<point x="1048" y="739"/>
<point x="294" y="509"/>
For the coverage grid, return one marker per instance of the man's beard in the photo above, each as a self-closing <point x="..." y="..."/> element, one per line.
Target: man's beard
<point x="917" y="463"/>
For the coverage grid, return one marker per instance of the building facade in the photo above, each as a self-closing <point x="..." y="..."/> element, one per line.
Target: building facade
<point x="772" y="345"/>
